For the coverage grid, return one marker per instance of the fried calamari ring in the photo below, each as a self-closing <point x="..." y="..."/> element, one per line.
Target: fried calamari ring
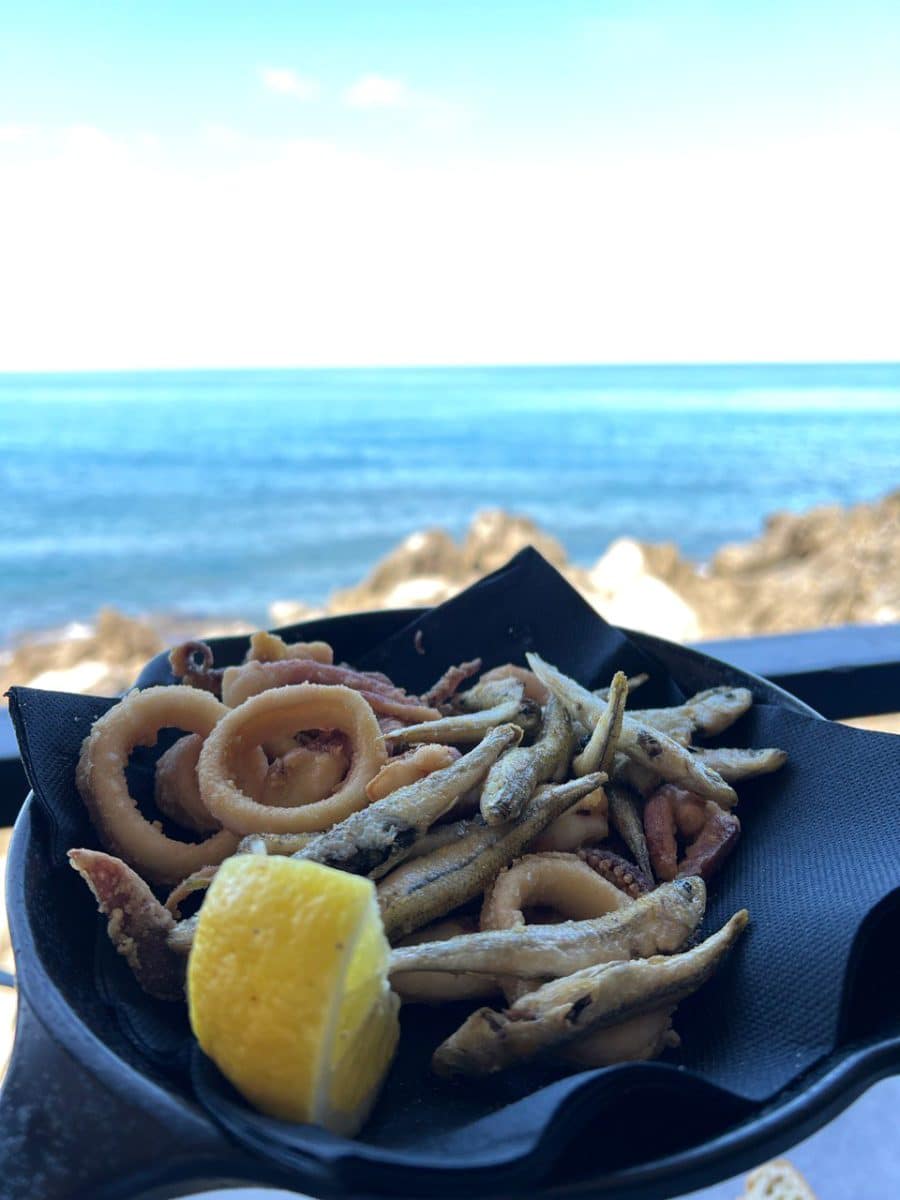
<point x="409" y="767"/>
<point x="584" y="824"/>
<point x="135" y="721"/>
<point x="274" y="713"/>
<point x="176" y="789"/>
<point x="562" y="883"/>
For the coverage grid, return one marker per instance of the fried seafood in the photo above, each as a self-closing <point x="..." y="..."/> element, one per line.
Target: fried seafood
<point x="136" y="721"/>
<point x="450" y="682"/>
<point x="532" y="686"/>
<point x="513" y="778"/>
<point x="586" y="822"/>
<point x="409" y="767"/>
<point x="600" y="750"/>
<point x="561" y="883"/>
<point x="176" y="790"/>
<point x="649" y="747"/>
<point x="192" y="663"/>
<point x="198" y="882"/>
<point x="619" y="871"/>
<point x="709" y="833"/>
<point x="443" y="800"/>
<point x="427" y="888"/>
<point x="305" y="774"/>
<point x="442" y="987"/>
<point x="657" y="923"/>
<point x="137" y="924"/>
<point x="561" y="1011"/>
<point x="633" y="681"/>
<point x="706" y="713"/>
<point x="269" y="647"/>
<point x="734" y="764"/>
<point x="504" y="704"/>
<point x="277" y="712"/>
<point x="240" y="683"/>
<point x="274" y="843"/>
<point x="381" y="835"/>
<point x="626" y="816"/>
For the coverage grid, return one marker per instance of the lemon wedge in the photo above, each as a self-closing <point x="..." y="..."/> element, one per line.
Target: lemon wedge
<point x="288" y="989"/>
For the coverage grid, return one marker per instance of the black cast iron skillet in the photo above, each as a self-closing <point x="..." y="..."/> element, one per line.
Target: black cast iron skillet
<point x="81" y="1116"/>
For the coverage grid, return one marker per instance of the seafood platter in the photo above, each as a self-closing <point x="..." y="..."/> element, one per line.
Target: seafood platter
<point x="428" y="904"/>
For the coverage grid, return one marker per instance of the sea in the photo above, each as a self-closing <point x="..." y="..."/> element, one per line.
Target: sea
<point x="215" y="493"/>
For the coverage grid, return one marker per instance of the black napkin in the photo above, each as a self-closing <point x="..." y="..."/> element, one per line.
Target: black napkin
<point x="819" y="853"/>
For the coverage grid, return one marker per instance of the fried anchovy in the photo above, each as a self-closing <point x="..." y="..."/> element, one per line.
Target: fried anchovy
<point x="598" y="754"/>
<point x="634" y="682"/>
<point x="440" y="987"/>
<point x="706" y="713"/>
<point x="659" y="922"/>
<point x="378" y="837"/>
<point x="565" y="1009"/>
<point x="471" y="726"/>
<point x="650" y="747"/>
<point x="735" y="764"/>
<point x="427" y="888"/>
<point x="627" y="820"/>
<point x="138" y="925"/>
<point x="513" y="778"/>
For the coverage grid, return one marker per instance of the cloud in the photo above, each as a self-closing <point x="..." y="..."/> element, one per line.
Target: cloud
<point x="286" y="82"/>
<point x="376" y="91"/>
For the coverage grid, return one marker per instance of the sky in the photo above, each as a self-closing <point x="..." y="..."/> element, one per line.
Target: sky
<point x="290" y="183"/>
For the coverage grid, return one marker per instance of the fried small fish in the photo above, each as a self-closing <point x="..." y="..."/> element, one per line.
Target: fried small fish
<point x="516" y="774"/>
<point x="376" y="838"/>
<point x="427" y="888"/>
<point x="659" y="922"/>
<point x="600" y="751"/>
<point x="650" y="747"/>
<point x="561" y="1011"/>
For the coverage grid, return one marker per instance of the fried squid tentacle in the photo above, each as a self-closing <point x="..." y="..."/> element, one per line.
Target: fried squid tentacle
<point x="386" y="700"/>
<point x="450" y="682"/>
<point x="135" y="721"/>
<point x="427" y="888"/>
<point x="563" y="1010"/>
<point x="192" y="663"/>
<point x="274" y="713"/>
<point x="649" y="747"/>
<point x="514" y="777"/>
<point x="138" y="925"/>
<point x="380" y="836"/>
<point x="709" y="833"/>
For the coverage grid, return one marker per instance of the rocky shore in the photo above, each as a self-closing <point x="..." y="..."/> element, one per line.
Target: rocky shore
<point x="829" y="566"/>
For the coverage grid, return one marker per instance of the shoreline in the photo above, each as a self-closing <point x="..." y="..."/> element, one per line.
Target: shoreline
<point x="827" y="566"/>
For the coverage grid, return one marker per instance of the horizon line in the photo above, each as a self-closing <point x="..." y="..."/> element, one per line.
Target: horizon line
<point x="491" y="366"/>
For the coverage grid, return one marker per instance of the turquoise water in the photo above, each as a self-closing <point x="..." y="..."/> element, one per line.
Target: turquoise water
<point x="217" y="492"/>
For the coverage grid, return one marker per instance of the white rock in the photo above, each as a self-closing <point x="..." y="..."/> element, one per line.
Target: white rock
<point x="648" y="605"/>
<point x="80" y="678"/>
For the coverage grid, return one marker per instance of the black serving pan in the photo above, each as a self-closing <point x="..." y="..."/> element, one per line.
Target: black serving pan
<point x="83" y="1113"/>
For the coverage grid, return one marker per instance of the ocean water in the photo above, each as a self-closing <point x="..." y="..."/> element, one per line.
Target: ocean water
<point x="218" y="492"/>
